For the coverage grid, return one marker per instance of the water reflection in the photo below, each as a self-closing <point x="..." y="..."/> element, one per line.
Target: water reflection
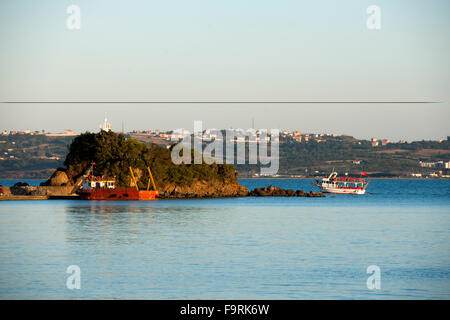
<point x="131" y="222"/>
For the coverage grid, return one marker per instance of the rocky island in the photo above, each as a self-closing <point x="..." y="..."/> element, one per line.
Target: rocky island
<point x="113" y="154"/>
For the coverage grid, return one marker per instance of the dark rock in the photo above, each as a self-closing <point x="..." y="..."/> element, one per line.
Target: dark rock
<point x="20" y="190"/>
<point x="315" y="194"/>
<point x="21" y="184"/>
<point x="280" y="192"/>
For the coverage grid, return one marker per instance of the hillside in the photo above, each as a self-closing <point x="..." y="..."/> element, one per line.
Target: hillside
<point x="346" y="154"/>
<point x="31" y="156"/>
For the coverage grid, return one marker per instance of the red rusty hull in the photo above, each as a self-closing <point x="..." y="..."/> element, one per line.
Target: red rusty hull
<point x="117" y="194"/>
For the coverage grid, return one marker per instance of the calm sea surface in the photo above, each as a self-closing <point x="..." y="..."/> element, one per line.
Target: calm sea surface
<point x="246" y="248"/>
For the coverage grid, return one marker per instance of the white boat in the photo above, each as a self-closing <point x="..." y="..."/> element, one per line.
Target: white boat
<point x="342" y="185"/>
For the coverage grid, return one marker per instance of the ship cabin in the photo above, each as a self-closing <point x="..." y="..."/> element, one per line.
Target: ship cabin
<point x="342" y="182"/>
<point x="99" y="183"/>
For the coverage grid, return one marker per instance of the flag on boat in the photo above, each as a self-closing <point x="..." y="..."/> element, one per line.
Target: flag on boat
<point x="364" y="173"/>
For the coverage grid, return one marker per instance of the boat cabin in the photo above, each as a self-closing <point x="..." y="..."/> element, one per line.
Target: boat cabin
<point x="333" y="181"/>
<point x="99" y="183"/>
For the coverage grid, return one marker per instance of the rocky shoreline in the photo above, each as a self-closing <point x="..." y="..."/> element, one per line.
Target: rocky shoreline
<point x="280" y="192"/>
<point x="200" y="190"/>
<point x="60" y="184"/>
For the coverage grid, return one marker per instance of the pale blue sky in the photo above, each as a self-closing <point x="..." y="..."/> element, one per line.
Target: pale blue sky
<point x="234" y="50"/>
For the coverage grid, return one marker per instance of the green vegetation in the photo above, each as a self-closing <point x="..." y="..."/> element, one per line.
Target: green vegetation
<point x="113" y="154"/>
<point x="351" y="155"/>
<point x="31" y="156"/>
<point x="346" y="154"/>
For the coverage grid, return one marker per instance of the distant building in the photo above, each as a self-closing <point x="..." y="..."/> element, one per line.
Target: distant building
<point x="67" y="133"/>
<point x="385" y="142"/>
<point x="431" y="175"/>
<point x="374" y="143"/>
<point x="106" y="126"/>
<point x="415" y="175"/>
<point x="438" y="164"/>
<point x="426" y="164"/>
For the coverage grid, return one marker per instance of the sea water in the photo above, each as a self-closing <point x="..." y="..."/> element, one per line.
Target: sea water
<point x="240" y="248"/>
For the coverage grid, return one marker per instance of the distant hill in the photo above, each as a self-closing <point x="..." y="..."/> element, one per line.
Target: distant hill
<point x="31" y="156"/>
<point x="346" y="154"/>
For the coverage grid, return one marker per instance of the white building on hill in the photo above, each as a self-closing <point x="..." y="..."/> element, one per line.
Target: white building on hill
<point x="106" y="126"/>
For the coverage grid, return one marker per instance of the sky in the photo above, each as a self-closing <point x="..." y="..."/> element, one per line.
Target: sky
<point x="227" y="51"/>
